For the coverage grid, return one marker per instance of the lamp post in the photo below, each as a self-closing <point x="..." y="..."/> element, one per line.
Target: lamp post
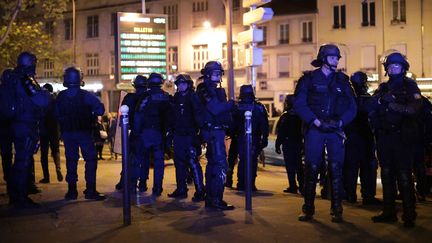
<point x="74" y="31"/>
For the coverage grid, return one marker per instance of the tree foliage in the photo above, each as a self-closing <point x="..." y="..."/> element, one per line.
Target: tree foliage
<point x="27" y="32"/>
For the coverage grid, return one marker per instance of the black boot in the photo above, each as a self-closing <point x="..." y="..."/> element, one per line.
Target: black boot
<point x="91" y="193"/>
<point x="119" y="185"/>
<point x="388" y="215"/>
<point x="219" y="205"/>
<point x="72" y="193"/>
<point x="385" y="217"/>
<point x="199" y="196"/>
<point x="336" y="192"/>
<point x="58" y="169"/>
<point x="157" y="191"/>
<point x="308" y="208"/>
<point x="179" y="193"/>
<point x="406" y="187"/>
<point x="307" y="213"/>
<point x="142" y="185"/>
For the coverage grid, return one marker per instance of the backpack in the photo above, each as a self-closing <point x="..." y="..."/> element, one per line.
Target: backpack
<point x="9" y="102"/>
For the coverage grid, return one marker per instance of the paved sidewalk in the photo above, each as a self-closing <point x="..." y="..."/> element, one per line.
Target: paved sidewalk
<point x="273" y="219"/>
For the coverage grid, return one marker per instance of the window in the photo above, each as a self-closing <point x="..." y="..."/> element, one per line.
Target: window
<point x="172" y="59"/>
<point x="284" y="64"/>
<point x="237" y="14"/>
<point x="238" y="54"/>
<point x="264" y="42"/>
<point x="113" y="23"/>
<point x="399" y="11"/>
<point x="368" y="13"/>
<point x="49" y="28"/>
<point x="92" y="64"/>
<point x="172" y="12"/>
<point x="68" y="29"/>
<point x="48" y="68"/>
<point x="283" y="33"/>
<point x="339" y="17"/>
<point x="236" y="5"/>
<point x="263" y="85"/>
<point x="200" y="56"/>
<point x="263" y="70"/>
<point x="306" y="31"/>
<point x="368" y="58"/>
<point x="92" y="26"/>
<point x="199" y="13"/>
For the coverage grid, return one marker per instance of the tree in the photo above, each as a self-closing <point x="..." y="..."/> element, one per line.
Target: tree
<point x="23" y="28"/>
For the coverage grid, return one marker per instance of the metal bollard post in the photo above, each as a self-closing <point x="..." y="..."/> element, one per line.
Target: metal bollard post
<point x="124" y="109"/>
<point x="248" y="177"/>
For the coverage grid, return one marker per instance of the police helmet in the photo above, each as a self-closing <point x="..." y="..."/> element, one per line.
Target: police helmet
<point x="72" y="77"/>
<point x="358" y="78"/>
<point x="396" y="57"/>
<point x="155" y="79"/>
<point x="183" y="78"/>
<point x="289" y="101"/>
<point x="26" y="59"/>
<point x="210" y="67"/>
<point x="26" y="63"/>
<point x="140" y="81"/>
<point x="325" y="51"/>
<point x="246" y="92"/>
<point x="48" y="87"/>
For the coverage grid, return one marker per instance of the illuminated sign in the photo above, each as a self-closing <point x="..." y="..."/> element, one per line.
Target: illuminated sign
<point x="140" y="46"/>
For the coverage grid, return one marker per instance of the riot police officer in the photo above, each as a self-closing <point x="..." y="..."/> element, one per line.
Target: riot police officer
<point x="216" y="116"/>
<point x="325" y="102"/>
<point x="260" y="132"/>
<point x="77" y="110"/>
<point x="394" y="108"/>
<point x="289" y="136"/>
<point x="50" y="138"/>
<point x="140" y="83"/>
<point x="185" y="128"/>
<point x="359" y="148"/>
<point x="151" y="123"/>
<point x="31" y="101"/>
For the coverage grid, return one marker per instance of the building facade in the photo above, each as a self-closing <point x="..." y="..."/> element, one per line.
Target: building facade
<point x="366" y="29"/>
<point x="197" y="34"/>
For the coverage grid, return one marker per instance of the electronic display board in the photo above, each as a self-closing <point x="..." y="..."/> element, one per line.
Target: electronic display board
<point x="141" y="46"/>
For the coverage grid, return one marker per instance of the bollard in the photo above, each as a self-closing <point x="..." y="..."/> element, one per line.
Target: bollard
<point x="248" y="176"/>
<point x="124" y="109"/>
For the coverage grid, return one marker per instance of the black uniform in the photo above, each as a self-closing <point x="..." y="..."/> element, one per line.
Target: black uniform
<point x="187" y="146"/>
<point x="360" y="151"/>
<point x="151" y="123"/>
<point x="394" y="107"/>
<point x="329" y="99"/>
<point x="50" y="139"/>
<point x="30" y="104"/>
<point x="289" y="136"/>
<point x="260" y="132"/>
<point x="216" y="116"/>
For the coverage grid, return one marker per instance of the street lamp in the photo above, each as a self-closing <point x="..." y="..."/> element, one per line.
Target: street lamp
<point x="207" y="24"/>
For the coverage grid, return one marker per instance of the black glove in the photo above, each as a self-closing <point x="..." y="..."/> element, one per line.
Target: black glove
<point x="330" y="125"/>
